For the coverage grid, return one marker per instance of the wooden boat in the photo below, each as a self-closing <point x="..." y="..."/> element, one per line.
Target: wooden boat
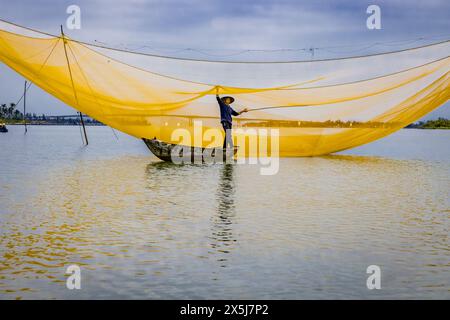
<point x="177" y="153"/>
<point x="3" y="128"/>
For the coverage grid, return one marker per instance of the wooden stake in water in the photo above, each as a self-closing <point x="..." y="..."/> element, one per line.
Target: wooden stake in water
<point x="25" y="106"/>
<point x="84" y="129"/>
<point x="73" y="85"/>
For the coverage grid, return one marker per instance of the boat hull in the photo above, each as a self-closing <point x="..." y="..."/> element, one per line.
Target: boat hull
<point x="176" y="153"/>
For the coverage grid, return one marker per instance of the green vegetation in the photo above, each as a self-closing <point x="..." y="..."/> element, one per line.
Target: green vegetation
<point x="440" y="123"/>
<point x="313" y="124"/>
<point x="10" y="115"/>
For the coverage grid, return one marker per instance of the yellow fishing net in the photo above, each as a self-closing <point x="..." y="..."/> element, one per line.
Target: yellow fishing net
<point x="318" y="107"/>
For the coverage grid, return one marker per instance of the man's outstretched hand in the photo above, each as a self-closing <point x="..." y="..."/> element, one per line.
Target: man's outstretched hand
<point x="243" y="111"/>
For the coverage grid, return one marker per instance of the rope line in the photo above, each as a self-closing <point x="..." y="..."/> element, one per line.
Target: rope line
<point x="39" y="71"/>
<point x="83" y="139"/>
<point x="282" y="50"/>
<point x="221" y="61"/>
<point x="255" y="62"/>
<point x="216" y="86"/>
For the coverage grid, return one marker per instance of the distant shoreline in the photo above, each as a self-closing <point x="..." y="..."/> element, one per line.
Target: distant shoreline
<point x="56" y="124"/>
<point x="103" y="125"/>
<point x="440" y="123"/>
<point x="429" y="128"/>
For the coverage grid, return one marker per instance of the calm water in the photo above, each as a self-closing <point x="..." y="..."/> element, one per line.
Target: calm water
<point x="140" y="228"/>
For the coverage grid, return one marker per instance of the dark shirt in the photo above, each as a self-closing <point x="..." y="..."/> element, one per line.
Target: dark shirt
<point x="226" y="111"/>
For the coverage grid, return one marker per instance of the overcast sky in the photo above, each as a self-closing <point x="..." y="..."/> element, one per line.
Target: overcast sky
<point x="222" y="29"/>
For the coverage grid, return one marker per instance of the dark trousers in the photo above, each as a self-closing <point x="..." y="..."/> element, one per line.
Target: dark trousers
<point x="228" y="141"/>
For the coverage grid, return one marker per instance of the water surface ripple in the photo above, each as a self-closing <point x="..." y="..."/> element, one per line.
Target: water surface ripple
<point x="140" y="228"/>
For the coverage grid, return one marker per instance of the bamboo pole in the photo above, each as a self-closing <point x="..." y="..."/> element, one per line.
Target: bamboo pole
<point x="73" y="85"/>
<point x="25" y="106"/>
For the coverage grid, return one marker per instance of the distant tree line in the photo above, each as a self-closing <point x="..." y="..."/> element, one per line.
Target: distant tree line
<point x="9" y="114"/>
<point x="440" y="123"/>
<point x="314" y="124"/>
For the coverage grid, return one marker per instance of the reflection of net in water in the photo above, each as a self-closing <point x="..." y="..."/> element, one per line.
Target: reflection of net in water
<point x="318" y="106"/>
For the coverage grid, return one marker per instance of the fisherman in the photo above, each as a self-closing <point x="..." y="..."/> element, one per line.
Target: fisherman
<point x="225" y="118"/>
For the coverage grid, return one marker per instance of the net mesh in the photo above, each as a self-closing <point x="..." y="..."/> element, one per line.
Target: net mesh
<point x="319" y="107"/>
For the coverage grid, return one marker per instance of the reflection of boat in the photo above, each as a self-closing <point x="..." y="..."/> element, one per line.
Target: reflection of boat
<point x="186" y="154"/>
<point x="3" y="128"/>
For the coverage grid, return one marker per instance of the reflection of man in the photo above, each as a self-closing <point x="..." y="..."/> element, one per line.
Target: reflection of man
<point x="223" y="239"/>
<point x="225" y="118"/>
<point x="225" y="193"/>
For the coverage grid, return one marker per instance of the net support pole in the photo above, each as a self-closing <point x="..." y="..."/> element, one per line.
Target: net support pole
<point x="25" y="106"/>
<point x="73" y="85"/>
<point x="84" y="128"/>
